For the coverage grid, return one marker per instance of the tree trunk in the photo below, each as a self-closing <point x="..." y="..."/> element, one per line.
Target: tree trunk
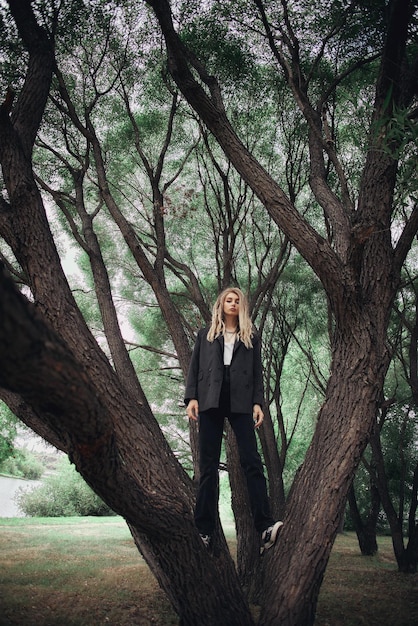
<point x="115" y="442"/>
<point x="248" y="540"/>
<point x="120" y="356"/>
<point x="406" y="558"/>
<point x="412" y="547"/>
<point x="273" y="467"/>
<point x="316" y="502"/>
<point x="365" y="531"/>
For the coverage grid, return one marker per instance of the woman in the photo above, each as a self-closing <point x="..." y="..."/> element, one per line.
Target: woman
<point x="225" y="380"/>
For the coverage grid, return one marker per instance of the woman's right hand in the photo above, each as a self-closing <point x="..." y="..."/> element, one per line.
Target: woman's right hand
<point x="192" y="410"/>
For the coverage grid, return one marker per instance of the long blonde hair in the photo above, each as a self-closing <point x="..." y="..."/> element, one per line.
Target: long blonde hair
<point x="245" y="327"/>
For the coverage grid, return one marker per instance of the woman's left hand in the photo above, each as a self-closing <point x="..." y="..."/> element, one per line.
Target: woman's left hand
<point x="258" y="415"/>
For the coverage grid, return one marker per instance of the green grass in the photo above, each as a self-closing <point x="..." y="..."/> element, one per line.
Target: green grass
<point x="87" y="572"/>
<point x="75" y="572"/>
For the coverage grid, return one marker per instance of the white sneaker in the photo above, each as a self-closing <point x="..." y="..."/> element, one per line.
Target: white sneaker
<point x="206" y="540"/>
<point x="269" y="536"/>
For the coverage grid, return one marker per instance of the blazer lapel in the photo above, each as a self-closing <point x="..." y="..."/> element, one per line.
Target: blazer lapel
<point x="221" y="343"/>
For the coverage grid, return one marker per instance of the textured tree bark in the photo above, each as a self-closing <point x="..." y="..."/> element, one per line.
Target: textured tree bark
<point x="273" y="467"/>
<point x="248" y="540"/>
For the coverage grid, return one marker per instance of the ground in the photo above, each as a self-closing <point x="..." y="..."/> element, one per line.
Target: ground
<point x="87" y="572"/>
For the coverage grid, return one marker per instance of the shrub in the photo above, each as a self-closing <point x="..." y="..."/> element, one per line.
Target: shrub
<point x="8" y="433"/>
<point x="23" y="464"/>
<point x="62" y="494"/>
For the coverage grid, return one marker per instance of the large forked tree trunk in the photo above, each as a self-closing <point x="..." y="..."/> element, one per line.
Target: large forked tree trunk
<point x="360" y="274"/>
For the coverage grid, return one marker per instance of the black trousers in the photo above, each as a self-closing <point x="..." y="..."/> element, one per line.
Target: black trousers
<point x="211" y="426"/>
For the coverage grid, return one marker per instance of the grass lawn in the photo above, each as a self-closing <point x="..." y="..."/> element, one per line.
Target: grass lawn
<point x="87" y="572"/>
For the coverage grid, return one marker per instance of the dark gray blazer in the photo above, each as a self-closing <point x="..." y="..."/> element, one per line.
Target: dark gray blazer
<point x="204" y="380"/>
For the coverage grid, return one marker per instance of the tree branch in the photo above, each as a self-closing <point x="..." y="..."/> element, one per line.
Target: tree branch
<point x="27" y="115"/>
<point x="310" y="244"/>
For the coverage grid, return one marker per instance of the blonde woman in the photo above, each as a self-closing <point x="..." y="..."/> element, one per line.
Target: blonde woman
<point x="225" y="380"/>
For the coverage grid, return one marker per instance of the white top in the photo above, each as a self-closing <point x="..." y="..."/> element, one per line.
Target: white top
<point x="229" y="340"/>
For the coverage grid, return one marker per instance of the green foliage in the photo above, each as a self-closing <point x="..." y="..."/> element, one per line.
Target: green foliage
<point x="13" y="461"/>
<point x="225" y="509"/>
<point x="224" y="52"/>
<point x="8" y="432"/>
<point x="63" y="494"/>
<point x="399" y="438"/>
<point x="22" y="464"/>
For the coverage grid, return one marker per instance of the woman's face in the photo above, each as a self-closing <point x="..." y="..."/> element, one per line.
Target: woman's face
<point x="231" y="304"/>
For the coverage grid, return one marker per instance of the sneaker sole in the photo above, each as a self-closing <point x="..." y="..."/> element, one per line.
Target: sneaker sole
<point x="273" y="537"/>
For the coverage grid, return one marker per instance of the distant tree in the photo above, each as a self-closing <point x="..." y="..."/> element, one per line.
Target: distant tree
<point x="393" y="441"/>
<point x="364" y="516"/>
